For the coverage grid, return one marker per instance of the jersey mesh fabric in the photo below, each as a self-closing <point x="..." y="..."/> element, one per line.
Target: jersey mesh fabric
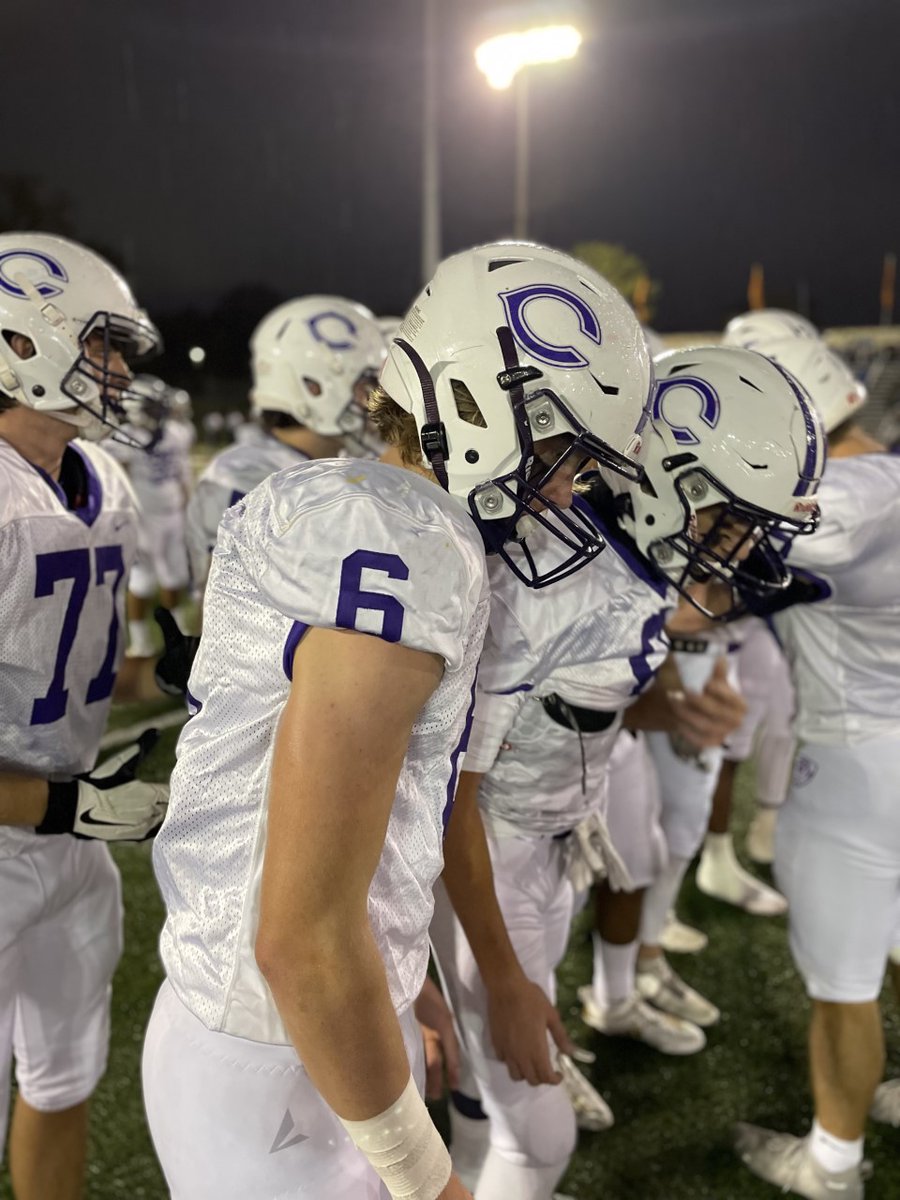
<point x="281" y="559"/>
<point x="228" y="477"/>
<point x="845" y="651"/>
<point x="594" y="639"/>
<point x="61" y="614"/>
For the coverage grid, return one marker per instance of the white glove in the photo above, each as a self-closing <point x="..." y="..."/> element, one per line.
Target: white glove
<point x="108" y="803"/>
<point x="592" y="857"/>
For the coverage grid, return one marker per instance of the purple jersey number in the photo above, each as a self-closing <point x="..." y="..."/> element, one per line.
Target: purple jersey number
<point x="54" y="568"/>
<point x="352" y="598"/>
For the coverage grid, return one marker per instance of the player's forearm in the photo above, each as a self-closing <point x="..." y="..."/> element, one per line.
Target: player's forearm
<point x="329" y="985"/>
<point x="469" y="879"/>
<point x="23" y="799"/>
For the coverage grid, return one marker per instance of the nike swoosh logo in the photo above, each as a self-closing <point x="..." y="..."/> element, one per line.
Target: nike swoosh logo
<point x="87" y="819"/>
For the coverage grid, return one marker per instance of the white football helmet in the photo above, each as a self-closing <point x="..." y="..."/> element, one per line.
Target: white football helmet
<point x="541" y="345"/>
<point x="728" y="428"/>
<point x="766" y="324"/>
<point x="314" y="359"/>
<point x="57" y="294"/>
<point x="827" y="378"/>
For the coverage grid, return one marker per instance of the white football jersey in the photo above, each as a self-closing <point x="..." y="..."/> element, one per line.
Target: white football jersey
<point x="162" y="476"/>
<point x="228" y="478"/>
<point x="595" y="640"/>
<point x="336" y="544"/>
<point x="62" y="600"/>
<point x="845" y="650"/>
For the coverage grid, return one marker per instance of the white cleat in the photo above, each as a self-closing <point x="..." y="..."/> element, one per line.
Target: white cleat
<point x="592" y="1113"/>
<point x="635" y="1018"/>
<point x="733" y="885"/>
<point x="678" y="938"/>
<point x="787" y="1162"/>
<point x="886" y="1105"/>
<point x="761" y="836"/>
<point x="659" y="984"/>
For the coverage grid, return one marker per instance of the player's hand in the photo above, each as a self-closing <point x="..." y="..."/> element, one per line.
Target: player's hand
<point x="520" y="1017"/>
<point x="454" y="1190"/>
<point x="707" y="718"/>
<point x="173" y="668"/>
<point x="108" y="804"/>
<point x="441" y="1047"/>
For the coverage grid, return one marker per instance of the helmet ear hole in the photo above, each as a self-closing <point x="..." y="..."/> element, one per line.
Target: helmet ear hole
<point x="312" y="386"/>
<point x="467" y="408"/>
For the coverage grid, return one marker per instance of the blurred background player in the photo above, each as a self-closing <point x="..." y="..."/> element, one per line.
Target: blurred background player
<point x="162" y="480"/>
<point x="314" y="361"/>
<point x="68" y="533"/>
<point x="837" y="854"/>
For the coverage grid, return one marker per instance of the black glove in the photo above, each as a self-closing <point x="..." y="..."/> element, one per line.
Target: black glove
<point x="107" y="803"/>
<point x="173" y="669"/>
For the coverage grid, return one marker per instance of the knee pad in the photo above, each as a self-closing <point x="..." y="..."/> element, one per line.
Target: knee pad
<point x="537" y="1129"/>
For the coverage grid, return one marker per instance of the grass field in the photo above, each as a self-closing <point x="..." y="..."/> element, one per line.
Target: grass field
<point x="671" y="1138"/>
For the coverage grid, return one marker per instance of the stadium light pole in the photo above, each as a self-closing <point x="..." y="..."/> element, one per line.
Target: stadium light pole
<point x="431" y="170"/>
<point x="503" y="60"/>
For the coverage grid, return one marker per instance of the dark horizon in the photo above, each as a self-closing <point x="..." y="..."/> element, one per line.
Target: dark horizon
<point x="278" y="148"/>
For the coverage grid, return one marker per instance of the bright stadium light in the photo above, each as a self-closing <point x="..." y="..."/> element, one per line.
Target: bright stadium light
<point x="197" y="355"/>
<point x="501" y="58"/>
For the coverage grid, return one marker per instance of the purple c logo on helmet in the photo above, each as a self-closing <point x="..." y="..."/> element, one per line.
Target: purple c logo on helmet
<point x="515" y="303"/>
<point x="710" y="407"/>
<point x="45" y="289"/>
<point x="317" y="333"/>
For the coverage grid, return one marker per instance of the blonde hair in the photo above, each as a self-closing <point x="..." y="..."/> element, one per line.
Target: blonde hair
<point x="399" y="429"/>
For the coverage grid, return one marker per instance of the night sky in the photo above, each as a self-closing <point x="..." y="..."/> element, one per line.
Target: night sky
<point x="277" y="142"/>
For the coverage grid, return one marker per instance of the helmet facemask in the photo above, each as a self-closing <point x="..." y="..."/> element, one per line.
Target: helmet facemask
<point x="726" y="540"/>
<point x="98" y="389"/>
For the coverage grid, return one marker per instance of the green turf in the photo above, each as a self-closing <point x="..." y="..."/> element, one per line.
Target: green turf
<point x="671" y="1138"/>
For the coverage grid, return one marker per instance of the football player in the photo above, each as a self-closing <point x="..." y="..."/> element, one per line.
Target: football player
<point x="765" y="683"/>
<point x="837" y="852"/>
<point x="557" y="669"/>
<point x="345" y="613"/>
<point x="313" y="361"/>
<point x="68" y="531"/>
<point x="162" y="481"/>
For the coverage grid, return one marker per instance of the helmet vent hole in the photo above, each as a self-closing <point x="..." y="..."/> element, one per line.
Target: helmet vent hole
<point x="312" y="386"/>
<point x="497" y="264"/>
<point x="749" y="383"/>
<point x="466" y="405"/>
<point x="608" y="389"/>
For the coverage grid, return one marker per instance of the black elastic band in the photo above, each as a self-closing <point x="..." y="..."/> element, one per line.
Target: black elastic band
<point x="437" y="452"/>
<point x="62" y="803"/>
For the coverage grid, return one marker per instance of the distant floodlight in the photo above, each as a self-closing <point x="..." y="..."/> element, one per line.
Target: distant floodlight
<point x="197" y="355"/>
<point x="501" y="57"/>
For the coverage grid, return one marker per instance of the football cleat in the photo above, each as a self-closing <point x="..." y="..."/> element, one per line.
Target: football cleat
<point x="635" y="1018"/>
<point x="592" y="1113"/>
<point x="787" y="1162"/>
<point x="659" y="984"/>
<point x="678" y="938"/>
<point x="733" y="885"/>
<point x="886" y="1105"/>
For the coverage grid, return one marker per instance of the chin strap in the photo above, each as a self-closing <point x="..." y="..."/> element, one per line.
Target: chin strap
<point x="433" y="434"/>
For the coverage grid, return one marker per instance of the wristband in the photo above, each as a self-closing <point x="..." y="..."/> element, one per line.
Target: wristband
<point x="404" y="1147"/>
<point x="62" y="805"/>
